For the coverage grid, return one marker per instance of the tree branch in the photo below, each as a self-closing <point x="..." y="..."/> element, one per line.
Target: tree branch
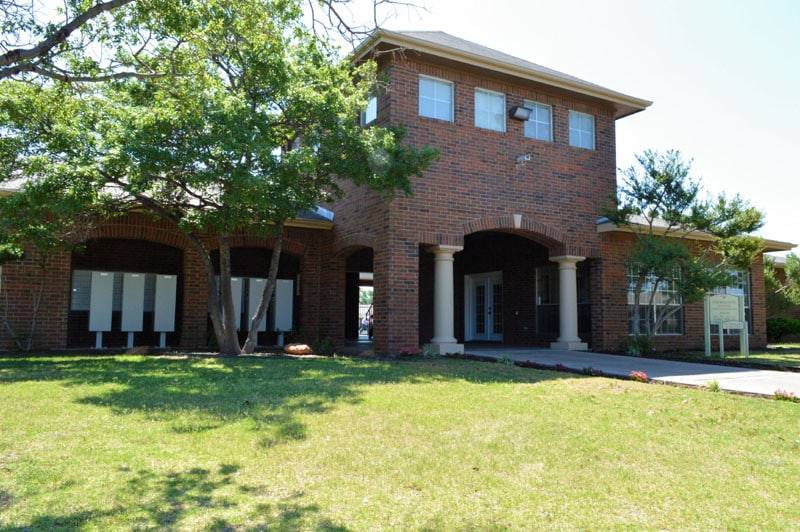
<point x="19" y="55"/>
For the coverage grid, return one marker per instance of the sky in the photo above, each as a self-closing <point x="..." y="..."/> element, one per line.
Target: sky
<point x="723" y="76"/>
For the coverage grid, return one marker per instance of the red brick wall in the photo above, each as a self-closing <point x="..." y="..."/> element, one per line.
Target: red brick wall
<point x="20" y="284"/>
<point x="612" y="314"/>
<point x="476" y="185"/>
<point x="18" y="279"/>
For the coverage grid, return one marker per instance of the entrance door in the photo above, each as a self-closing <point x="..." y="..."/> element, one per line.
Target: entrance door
<point x="484" y="307"/>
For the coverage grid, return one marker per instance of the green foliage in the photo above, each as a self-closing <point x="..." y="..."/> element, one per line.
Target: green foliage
<point x="506" y="359"/>
<point x="782" y="289"/>
<point x="661" y="204"/>
<point x="324" y="346"/>
<point x="428" y="351"/>
<point x="250" y="120"/>
<point x="365" y="296"/>
<point x="785" y="395"/>
<point x="636" y="345"/>
<point x="713" y="386"/>
<point x="779" y="327"/>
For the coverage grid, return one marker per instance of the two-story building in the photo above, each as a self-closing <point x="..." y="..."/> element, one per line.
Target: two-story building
<point x="501" y="240"/>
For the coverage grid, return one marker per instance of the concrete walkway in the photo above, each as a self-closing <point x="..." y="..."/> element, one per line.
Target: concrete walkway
<point x="752" y="381"/>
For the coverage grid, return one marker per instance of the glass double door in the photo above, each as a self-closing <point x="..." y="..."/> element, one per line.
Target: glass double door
<point x="484" y="307"/>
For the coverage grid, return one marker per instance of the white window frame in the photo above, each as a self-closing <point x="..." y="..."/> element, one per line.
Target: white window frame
<point x="581" y="130"/>
<point x="741" y="286"/>
<point x="441" y="99"/>
<point x="370" y="113"/>
<point x="534" y="123"/>
<point x="674" y="326"/>
<point x="486" y="115"/>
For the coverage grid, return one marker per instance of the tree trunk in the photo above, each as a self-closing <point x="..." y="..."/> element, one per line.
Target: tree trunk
<point x="266" y="295"/>
<point x="229" y="343"/>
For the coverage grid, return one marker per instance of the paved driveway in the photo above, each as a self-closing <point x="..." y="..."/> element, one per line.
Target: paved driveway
<point x="745" y="380"/>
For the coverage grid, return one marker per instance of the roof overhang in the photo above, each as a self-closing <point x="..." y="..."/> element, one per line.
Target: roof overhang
<point x="623" y="104"/>
<point x="318" y="219"/>
<point x="604" y="225"/>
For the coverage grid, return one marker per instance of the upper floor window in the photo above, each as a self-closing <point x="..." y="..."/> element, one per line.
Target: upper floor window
<point x="490" y="110"/>
<point x="540" y="124"/>
<point x="435" y="98"/>
<point x="369" y="114"/>
<point x="581" y="130"/>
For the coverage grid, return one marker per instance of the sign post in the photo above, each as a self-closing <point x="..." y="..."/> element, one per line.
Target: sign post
<point x="726" y="311"/>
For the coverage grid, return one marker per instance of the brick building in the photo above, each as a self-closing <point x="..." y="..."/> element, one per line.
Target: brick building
<point x="500" y="242"/>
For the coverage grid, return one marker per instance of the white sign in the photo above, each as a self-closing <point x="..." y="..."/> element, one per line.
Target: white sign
<point x="726" y="311"/>
<point x="723" y="307"/>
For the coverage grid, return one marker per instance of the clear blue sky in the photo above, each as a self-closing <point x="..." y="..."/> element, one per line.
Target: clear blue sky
<point x="724" y="77"/>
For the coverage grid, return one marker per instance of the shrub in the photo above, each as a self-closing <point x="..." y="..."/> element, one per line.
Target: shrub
<point x="638" y="376"/>
<point x="785" y="395"/>
<point x="506" y="359"/>
<point x="428" y="351"/>
<point x="714" y="386"/>
<point x="780" y="327"/>
<point x="636" y="345"/>
<point x="324" y="346"/>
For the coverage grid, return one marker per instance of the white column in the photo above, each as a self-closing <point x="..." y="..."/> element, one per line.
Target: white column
<point x="568" y="304"/>
<point x="444" y="340"/>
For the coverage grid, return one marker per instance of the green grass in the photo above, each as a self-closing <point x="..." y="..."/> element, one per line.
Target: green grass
<point x="785" y="355"/>
<point x="356" y="444"/>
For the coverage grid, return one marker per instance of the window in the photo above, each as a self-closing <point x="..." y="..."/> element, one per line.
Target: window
<point x="490" y="110"/>
<point x="581" y="130"/>
<point x="435" y="98"/>
<point x="740" y="286"/>
<point x="369" y="114"/>
<point x="665" y="300"/>
<point x="540" y="124"/>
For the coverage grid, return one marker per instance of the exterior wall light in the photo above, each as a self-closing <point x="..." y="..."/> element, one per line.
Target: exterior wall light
<point x="520" y="112"/>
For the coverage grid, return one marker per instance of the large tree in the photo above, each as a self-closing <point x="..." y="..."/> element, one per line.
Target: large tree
<point x="681" y="238"/>
<point x="251" y="121"/>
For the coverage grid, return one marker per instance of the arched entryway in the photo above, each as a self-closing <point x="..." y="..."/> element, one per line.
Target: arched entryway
<point x="126" y="280"/>
<point x="249" y="270"/>
<point x="508" y="285"/>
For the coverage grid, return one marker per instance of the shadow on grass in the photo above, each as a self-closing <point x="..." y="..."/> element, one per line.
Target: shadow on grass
<point x="73" y="521"/>
<point x="166" y="499"/>
<point x="199" y="394"/>
<point x="270" y="396"/>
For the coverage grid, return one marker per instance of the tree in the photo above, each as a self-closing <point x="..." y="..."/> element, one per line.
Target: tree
<point x="253" y="123"/>
<point x="92" y="41"/>
<point x="661" y="205"/>
<point x="783" y="291"/>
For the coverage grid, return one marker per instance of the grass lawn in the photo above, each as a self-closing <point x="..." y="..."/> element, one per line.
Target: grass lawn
<point x="356" y="444"/>
<point x="785" y="355"/>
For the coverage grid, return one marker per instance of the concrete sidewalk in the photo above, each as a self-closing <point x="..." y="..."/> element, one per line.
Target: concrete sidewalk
<point x="754" y="381"/>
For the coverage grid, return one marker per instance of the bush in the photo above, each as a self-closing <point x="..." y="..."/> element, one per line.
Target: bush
<point x="638" y="376"/>
<point x="636" y="345"/>
<point x="777" y="328"/>
<point x="325" y="346"/>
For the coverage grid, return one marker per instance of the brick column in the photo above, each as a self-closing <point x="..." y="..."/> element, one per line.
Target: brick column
<point x="568" y="304"/>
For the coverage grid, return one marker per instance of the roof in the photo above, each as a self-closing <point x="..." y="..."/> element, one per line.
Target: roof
<point x="447" y="46"/>
<point x="604" y="225"/>
<point x="317" y="218"/>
